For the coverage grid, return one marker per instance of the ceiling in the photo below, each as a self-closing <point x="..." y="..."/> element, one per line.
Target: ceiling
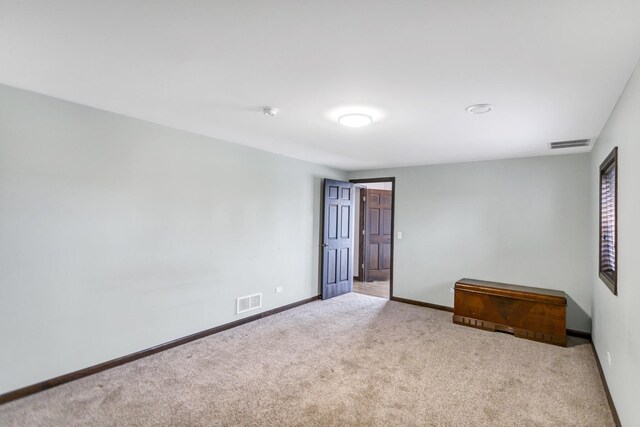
<point x="553" y="70"/>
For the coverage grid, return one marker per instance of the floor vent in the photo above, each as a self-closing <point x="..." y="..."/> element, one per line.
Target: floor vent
<point x="570" y="144"/>
<point x="248" y="303"/>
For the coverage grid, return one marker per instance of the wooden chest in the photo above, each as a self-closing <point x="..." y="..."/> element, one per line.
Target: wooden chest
<point x="534" y="313"/>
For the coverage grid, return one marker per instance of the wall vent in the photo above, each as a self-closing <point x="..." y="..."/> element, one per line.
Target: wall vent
<point x="570" y="144"/>
<point x="248" y="303"/>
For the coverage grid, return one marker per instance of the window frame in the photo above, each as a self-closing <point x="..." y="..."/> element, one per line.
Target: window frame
<point x="610" y="163"/>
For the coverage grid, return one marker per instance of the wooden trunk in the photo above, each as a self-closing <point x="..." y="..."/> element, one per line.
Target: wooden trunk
<point x="533" y="313"/>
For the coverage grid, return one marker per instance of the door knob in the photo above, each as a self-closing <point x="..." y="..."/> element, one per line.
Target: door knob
<point x="325" y="245"/>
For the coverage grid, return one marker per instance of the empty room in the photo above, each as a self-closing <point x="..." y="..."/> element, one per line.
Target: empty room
<point x="319" y="213"/>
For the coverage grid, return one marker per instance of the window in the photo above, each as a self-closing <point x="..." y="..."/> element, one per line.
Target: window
<point x="609" y="221"/>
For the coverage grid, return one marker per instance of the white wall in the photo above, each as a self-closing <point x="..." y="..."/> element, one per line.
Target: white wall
<point x="117" y="235"/>
<point x="520" y="221"/>
<point x="616" y="319"/>
<point x="377" y="185"/>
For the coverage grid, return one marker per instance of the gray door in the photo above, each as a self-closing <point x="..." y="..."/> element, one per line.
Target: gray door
<point x="337" y="236"/>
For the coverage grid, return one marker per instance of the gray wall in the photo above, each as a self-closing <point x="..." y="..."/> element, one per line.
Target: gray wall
<point x="521" y="221"/>
<point x="616" y="319"/>
<point x="117" y="235"/>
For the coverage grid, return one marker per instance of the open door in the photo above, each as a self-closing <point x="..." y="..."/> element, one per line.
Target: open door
<point x="377" y="235"/>
<point x="337" y="236"/>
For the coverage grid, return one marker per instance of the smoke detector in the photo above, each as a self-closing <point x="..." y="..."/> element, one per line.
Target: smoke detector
<point x="270" y="111"/>
<point x="479" y="108"/>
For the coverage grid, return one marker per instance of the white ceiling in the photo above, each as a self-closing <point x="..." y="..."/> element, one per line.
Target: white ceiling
<point x="552" y="69"/>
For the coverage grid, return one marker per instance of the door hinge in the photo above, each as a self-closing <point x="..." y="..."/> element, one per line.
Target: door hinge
<point x="363" y="232"/>
<point x="364" y="198"/>
<point x="362" y="266"/>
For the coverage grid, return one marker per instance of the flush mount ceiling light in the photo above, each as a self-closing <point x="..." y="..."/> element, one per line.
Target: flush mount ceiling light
<point x="479" y="108"/>
<point x="355" y="120"/>
<point x="355" y="116"/>
<point x="270" y="111"/>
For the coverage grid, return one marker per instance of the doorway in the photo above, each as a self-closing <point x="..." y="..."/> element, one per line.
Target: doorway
<point x="374" y="236"/>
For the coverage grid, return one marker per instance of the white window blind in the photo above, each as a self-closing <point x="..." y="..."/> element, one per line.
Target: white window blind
<point x="608" y="222"/>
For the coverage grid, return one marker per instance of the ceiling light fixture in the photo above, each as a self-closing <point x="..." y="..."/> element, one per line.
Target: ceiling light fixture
<point x="479" y="108"/>
<point x="355" y="120"/>
<point x="355" y="115"/>
<point x="270" y="111"/>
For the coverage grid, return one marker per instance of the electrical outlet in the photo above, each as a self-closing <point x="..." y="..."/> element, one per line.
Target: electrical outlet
<point x="399" y="235"/>
<point x="452" y="291"/>
<point x="609" y="358"/>
<point x="279" y="289"/>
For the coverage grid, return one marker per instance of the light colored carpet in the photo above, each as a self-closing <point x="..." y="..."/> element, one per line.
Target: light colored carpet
<point x="353" y="360"/>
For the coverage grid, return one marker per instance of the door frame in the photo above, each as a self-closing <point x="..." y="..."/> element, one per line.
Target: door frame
<point x="360" y="226"/>
<point x="392" y="180"/>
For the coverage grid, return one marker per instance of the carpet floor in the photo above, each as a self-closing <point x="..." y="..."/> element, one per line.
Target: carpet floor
<point x="350" y="361"/>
